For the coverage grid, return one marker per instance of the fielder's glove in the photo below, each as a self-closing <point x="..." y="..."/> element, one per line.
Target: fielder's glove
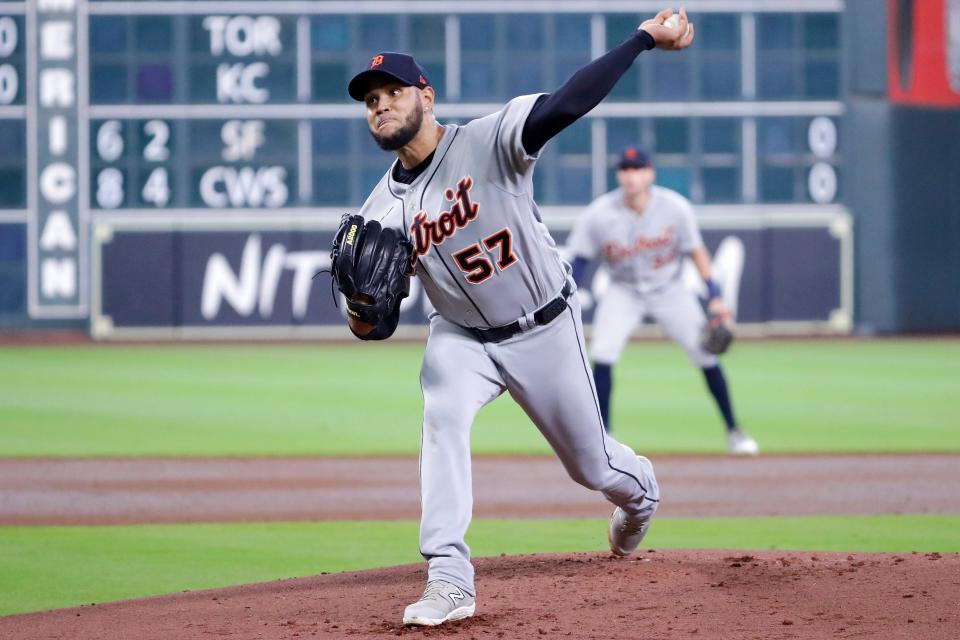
<point x="717" y="335"/>
<point x="371" y="266"/>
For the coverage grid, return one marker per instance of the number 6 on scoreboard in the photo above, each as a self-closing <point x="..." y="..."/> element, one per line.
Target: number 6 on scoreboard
<point x="110" y="141"/>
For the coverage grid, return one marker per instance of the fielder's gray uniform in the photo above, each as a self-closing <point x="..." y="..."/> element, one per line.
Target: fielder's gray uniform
<point x="487" y="260"/>
<point x="644" y="254"/>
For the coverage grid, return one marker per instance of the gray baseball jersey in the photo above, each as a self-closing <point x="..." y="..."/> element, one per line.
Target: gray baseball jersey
<point x="485" y="257"/>
<point x="645" y="251"/>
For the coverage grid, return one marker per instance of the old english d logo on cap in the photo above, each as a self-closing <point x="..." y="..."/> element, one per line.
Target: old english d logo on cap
<point x="401" y="66"/>
<point x="634" y="157"/>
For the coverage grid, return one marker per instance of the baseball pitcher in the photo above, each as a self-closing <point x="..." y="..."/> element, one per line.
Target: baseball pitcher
<point x="456" y="210"/>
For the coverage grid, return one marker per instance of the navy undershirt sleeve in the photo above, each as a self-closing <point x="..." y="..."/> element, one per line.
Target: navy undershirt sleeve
<point x="552" y="113"/>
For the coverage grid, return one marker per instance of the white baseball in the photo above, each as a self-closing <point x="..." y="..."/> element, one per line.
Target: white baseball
<point x="674" y="21"/>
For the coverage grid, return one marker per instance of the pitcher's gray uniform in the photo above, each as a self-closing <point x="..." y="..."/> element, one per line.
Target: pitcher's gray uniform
<point x="505" y="315"/>
<point x="644" y="255"/>
<point x="486" y="260"/>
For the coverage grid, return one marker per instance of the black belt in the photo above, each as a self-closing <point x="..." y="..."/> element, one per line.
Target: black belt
<point x="542" y="316"/>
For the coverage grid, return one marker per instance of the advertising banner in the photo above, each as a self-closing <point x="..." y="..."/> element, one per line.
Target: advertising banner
<point x="267" y="281"/>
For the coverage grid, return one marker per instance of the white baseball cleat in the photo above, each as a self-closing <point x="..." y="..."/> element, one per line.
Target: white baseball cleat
<point x="740" y="444"/>
<point x="441" y="602"/>
<point x="625" y="532"/>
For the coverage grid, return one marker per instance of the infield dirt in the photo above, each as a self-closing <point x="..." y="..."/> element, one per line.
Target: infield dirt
<point x="132" y="491"/>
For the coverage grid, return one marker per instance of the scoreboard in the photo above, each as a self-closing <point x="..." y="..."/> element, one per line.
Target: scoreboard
<point x="144" y="108"/>
<point x="155" y="158"/>
<point x="179" y="165"/>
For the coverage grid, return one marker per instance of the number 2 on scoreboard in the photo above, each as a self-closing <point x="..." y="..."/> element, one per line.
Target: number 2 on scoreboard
<point x="477" y="266"/>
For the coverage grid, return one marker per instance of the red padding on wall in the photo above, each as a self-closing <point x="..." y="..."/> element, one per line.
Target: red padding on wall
<point x="917" y="54"/>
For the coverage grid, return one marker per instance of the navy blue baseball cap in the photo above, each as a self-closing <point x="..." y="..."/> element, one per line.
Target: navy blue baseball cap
<point x="398" y="66"/>
<point x="635" y="157"/>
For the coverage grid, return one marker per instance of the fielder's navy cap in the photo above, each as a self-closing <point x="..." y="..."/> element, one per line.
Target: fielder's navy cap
<point x="398" y="66"/>
<point x="635" y="157"/>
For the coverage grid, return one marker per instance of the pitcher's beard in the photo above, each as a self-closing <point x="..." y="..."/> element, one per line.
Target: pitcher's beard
<point x="402" y="136"/>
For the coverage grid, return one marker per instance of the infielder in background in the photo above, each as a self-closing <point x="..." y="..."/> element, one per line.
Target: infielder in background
<point x="643" y="232"/>
<point x="505" y="319"/>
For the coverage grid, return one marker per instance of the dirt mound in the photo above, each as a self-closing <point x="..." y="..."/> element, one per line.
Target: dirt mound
<point x="656" y="594"/>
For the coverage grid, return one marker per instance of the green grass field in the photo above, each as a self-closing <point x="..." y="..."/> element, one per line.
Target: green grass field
<point x="365" y="399"/>
<point x="795" y="396"/>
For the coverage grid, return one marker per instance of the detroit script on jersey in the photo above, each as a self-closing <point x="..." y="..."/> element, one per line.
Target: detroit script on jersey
<point x="426" y="232"/>
<point x="664" y="246"/>
<point x="484" y="256"/>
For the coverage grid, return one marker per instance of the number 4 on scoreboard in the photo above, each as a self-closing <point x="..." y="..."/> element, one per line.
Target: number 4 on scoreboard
<point x="477" y="266"/>
<point x="157" y="188"/>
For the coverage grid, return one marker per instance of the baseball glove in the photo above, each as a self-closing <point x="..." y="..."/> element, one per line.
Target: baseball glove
<point x="371" y="267"/>
<point x="717" y="336"/>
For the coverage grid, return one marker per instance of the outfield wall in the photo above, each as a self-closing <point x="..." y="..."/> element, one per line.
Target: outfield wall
<point x="786" y="270"/>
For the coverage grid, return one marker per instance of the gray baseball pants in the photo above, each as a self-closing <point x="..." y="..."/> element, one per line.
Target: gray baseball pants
<point x="546" y="372"/>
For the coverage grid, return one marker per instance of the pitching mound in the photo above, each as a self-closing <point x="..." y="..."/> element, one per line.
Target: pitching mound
<point x="662" y="594"/>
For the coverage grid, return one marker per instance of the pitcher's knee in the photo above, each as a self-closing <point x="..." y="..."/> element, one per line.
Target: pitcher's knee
<point x="611" y="482"/>
<point x="593" y="479"/>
